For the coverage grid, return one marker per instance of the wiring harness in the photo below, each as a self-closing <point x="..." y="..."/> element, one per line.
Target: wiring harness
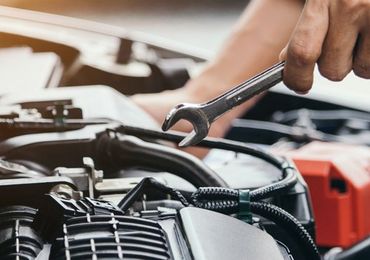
<point x="232" y="201"/>
<point x="226" y="200"/>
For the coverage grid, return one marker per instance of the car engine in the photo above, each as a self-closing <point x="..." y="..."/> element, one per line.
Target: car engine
<point x="86" y="174"/>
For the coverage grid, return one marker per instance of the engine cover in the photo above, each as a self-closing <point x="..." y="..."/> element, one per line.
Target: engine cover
<point x="96" y="229"/>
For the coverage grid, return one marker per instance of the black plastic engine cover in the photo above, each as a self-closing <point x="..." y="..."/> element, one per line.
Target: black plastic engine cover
<point x="215" y="236"/>
<point x="96" y="229"/>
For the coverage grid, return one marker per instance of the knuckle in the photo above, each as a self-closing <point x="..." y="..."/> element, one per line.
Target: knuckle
<point x="363" y="4"/>
<point x="347" y="3"/>
<point x="362" y="69"/>
<point x="301" y="85"/>
<point x="333" y="74"/>
<point x="301" y="54"/>
<point x="354" y="5"/>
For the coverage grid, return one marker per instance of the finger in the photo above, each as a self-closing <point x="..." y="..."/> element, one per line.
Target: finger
<point x="304" y="47"/>
<point x="282" y="57"/>
<point x="336" y="57"/>
<point x="361" y="62"/>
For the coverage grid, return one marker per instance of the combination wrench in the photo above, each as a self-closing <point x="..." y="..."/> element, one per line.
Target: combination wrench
<point x="201" y="116"/>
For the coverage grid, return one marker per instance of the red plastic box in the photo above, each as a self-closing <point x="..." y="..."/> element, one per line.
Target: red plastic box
<point x="338" y="177"/>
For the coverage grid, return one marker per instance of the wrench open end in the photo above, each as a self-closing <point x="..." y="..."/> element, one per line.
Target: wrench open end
<point x="193" y="114"/>
<point x="172" y="117"/>
<point x="191" y="139"/>
<point x="201" y="116"/>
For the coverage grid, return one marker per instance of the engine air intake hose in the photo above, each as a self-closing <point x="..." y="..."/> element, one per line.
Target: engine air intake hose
<point x="18" y="240"/>
<point x="289" y="175"/>
<point x="126" y="151"/>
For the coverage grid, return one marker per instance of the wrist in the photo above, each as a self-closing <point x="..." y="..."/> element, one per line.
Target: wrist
<point x="212" y="82"/>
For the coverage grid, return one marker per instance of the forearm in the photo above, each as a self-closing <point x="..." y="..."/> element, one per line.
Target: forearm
<point x="254" y="45"/>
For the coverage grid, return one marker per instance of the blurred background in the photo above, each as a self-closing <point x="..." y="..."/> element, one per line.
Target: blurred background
<point x="203" y="24"/>
<point x="200" y="26"/>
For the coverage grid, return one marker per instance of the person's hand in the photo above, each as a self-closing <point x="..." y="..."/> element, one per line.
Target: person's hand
<point x="335" y="34"/>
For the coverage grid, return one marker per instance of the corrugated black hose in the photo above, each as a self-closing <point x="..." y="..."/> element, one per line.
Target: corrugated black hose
<point x="223" y="200"/>
<point x="277" y="188"/>
<point x="290" y="224"/>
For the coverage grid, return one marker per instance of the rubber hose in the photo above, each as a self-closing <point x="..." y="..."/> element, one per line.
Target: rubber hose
<point x="125" y="151"/>
<point x="209" y="142"/>
<point x="289" y="174"/>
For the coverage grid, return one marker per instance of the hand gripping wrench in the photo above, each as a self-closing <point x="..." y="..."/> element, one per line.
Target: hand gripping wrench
<point x="201" y="116"/>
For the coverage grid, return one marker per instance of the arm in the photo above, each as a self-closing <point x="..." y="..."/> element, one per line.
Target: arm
<point x="255" y="44"/>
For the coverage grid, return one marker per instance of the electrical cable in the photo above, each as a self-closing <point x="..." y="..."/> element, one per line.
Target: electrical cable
<point x="147" y="183"/>
<point x="227" y="201"/>
<point x="277" y="188"/>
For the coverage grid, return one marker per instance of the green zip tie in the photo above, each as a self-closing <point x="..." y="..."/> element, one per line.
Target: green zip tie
<point x="244" y="206"/>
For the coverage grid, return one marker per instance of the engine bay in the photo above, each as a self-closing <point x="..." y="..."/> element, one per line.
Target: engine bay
<point x="86" y="174"/>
